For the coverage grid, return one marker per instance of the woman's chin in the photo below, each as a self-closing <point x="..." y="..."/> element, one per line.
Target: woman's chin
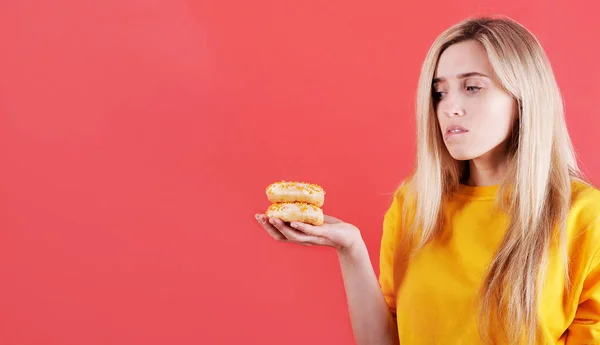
<point x="462" y="155"/>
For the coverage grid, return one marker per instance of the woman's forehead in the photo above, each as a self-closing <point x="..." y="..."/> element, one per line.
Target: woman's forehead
<point x="463" y="58"/>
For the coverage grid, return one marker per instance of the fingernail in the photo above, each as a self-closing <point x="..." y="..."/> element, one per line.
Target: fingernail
<point x="294" y="225"/>
<point x="272" y="221"/>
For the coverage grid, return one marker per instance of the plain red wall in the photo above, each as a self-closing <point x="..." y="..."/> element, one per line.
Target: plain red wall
<point x="137" y="137"/>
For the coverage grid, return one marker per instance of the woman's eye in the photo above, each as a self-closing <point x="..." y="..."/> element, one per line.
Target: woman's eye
<point x="473" y="89"/>
<point x="437" y="95"/>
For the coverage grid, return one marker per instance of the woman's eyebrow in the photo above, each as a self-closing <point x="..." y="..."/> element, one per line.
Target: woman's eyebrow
<point x="460" y="76"/>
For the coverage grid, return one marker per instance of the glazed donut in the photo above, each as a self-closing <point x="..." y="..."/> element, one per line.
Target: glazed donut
<point x="296" y="212"/>
<point x="284" y="191"/>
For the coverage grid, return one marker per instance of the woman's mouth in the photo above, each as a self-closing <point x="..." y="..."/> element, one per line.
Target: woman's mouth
<point x="452" y="131"/>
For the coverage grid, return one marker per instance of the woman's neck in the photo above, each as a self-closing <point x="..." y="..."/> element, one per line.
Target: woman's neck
<point x="485" y="172"/>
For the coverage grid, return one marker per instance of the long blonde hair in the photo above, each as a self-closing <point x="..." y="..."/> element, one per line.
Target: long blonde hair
<point x="537" y="185"/>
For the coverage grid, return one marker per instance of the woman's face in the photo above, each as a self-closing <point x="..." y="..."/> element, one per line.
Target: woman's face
<point x="474" y="112"/>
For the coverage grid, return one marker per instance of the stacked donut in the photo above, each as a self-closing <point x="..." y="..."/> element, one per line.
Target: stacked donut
<point x="296" y="202"/>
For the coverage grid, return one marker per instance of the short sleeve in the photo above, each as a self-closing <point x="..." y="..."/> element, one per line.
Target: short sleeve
<point x="391" y="223"/>
<point x="585" y="328"/>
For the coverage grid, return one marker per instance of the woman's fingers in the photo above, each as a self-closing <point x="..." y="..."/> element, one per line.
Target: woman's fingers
<point x="298" y="232"/>
<point x="308" y="228"/>
<point x="296" y="236"/>
<point x="333" y="233"/>
<point x="331" y="220"/>
<point x="264" y="221"/>
<point x="337" y="234"/>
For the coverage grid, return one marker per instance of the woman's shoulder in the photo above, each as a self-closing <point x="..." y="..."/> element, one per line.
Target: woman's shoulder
<point x="401" y="204"/>
<point x="402" y="194"/>
<point x="585" y="199"/>
<point x="584" y="213"/>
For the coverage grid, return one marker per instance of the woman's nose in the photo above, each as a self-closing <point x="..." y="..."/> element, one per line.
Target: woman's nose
<point x="453" y="107"/>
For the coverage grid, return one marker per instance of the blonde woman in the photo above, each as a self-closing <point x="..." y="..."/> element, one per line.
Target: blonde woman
<point x="495" y="237"/>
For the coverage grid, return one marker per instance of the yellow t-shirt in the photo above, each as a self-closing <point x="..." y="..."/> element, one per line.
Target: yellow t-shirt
<point x="435" y="295"/>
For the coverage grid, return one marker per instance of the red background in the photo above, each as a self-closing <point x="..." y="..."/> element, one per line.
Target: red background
<point x="137" y="137"/>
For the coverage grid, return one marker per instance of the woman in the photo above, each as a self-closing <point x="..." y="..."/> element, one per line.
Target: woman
<point x="495" y="237"/>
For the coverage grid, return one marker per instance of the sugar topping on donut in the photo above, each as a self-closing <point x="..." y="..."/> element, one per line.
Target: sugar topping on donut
<point x="304" y="187"/>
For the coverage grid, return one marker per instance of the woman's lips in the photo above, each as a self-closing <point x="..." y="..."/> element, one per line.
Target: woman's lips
<point x="454" y="131"/>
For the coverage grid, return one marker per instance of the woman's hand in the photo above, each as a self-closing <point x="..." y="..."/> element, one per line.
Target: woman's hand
<point x="333" y="232"/>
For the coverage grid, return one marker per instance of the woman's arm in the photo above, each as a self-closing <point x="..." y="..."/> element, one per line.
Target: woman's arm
<point x="372" y="321"/>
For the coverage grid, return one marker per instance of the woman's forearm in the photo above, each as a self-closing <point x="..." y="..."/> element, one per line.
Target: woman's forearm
<point x="372" y="321"/>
